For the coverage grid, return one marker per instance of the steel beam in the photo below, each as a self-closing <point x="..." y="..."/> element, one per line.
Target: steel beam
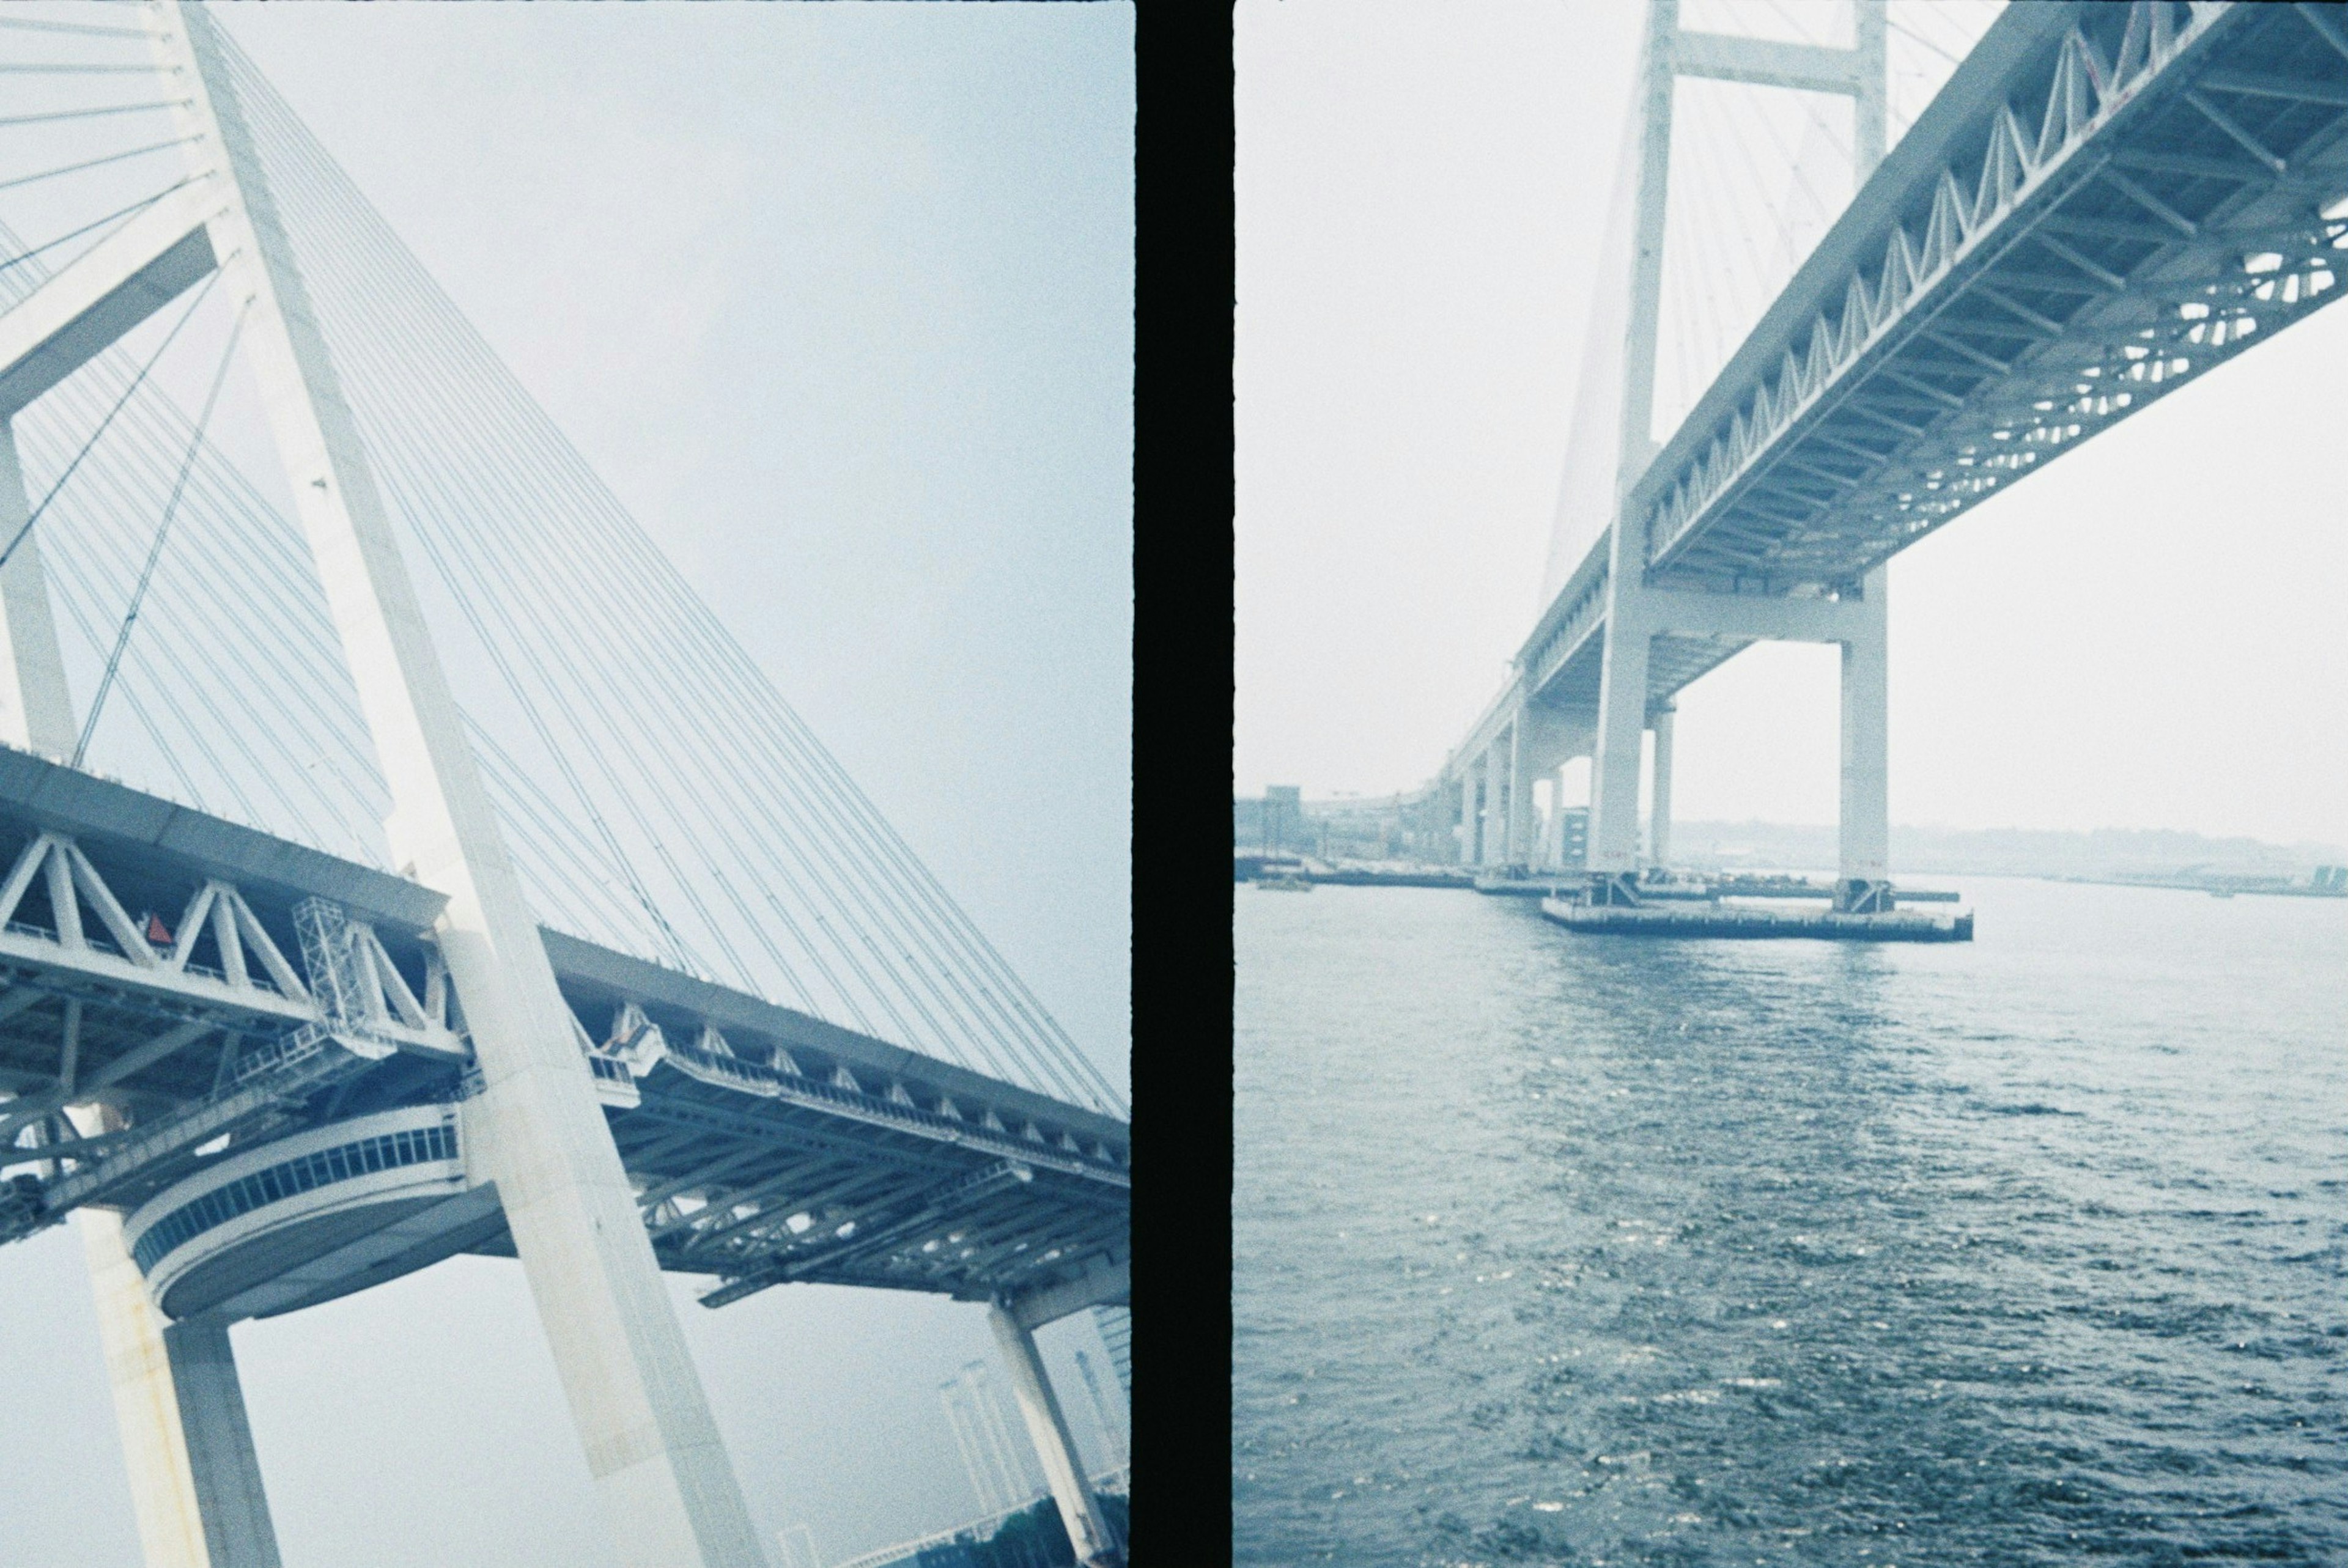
<point x="87" y="305"/>
<point x="1766" y="62"/>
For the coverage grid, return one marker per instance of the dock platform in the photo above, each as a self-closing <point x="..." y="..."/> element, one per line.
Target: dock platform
<point x="1353" y="878"/>
<point x="1685" y="889"/>
<point x="1728" y="921"/>
<point x="1523" y="886"/>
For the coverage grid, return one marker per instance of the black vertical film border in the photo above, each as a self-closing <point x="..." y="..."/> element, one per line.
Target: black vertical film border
<point x="1182" y="502"/>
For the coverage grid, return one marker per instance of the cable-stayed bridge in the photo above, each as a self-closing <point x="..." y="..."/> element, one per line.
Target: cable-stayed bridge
<point x="2101" y="202"/>
<point x="401" y="860"/>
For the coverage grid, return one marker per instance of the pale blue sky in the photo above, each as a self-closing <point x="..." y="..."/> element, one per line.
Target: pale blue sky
<point x="838" y="300"/>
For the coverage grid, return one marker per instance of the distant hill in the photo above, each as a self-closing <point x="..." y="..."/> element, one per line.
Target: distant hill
<point x="2002" y="851"/>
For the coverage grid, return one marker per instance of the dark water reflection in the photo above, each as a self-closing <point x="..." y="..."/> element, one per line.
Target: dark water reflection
<point x="1601" y="1251"/>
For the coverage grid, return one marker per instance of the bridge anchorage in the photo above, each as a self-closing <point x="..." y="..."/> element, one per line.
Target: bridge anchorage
<point x="257" y="1075"/>
<point x="2100" y="204"/>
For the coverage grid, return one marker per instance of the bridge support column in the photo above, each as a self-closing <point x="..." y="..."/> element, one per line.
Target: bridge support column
<point x="36" y="705"/>
<point x="1521" y="747"/>
<point x="195" y="1478"/>
<point x="1658" y="809"/>
<point x="667" y="1489"/>
<point x="1557" y="821"/>
<point x="146" y="1402"/>
<point x="1862" y="882"/>
<point x="1623" y="678"/>
<point x="195" y="1481"/>
<point x="220" y="1459"/>
<point x="1468" y="816"/>
<point x="1494" y="824"/>
<point x="1047" y="1428"/>
<point x="1553" y="828"/>
<point x="1614" y="768"/>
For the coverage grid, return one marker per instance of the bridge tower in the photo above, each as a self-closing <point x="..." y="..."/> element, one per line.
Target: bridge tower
<point x="1636" y="613"/>
<point x="667" y="1486"/>
<point x="1529" y="734"/>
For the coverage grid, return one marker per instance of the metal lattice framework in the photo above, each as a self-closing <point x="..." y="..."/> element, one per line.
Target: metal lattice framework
<point x="2167" y="201"/>
<point x="2105" y="203"/>
<point x="767" y="1145"/>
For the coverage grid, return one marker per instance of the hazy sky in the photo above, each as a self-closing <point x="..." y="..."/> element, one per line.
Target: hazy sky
<point x="2148" y="634"/>
<point x="837" y="300"/>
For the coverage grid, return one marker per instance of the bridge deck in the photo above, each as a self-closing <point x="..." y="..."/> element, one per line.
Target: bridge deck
<point x="767" y="1145"/>
<point x="2104" y="203"/>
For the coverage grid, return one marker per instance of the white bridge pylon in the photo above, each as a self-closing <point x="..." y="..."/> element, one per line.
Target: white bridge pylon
<point x="1532" y="735"/>
<point x="669" y="1490"/>
<point x="906" y="1207"/>
<point x="2102" y="203"/>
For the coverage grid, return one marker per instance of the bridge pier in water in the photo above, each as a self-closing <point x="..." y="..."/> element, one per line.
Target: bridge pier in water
<point x="1863" y="877"/>
<point x="1855" y="621"/>
<point x="1659" y="789"/>
<point x="1651" y="638"/>
<point x="1495" y="820"/>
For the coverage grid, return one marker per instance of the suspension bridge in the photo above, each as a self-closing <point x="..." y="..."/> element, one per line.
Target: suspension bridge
<point x="2097" y="205"/>
<point x="425" y="870"/>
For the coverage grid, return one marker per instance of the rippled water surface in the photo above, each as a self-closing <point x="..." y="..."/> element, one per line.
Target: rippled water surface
<point x="1607" y="1250"/>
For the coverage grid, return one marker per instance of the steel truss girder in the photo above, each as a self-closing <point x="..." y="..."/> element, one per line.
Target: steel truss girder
<point x="126" y="969"/>
<point x="735" y="1236"/>
<point x="921" y="1210"/>
<point x="643" y="1048"/>
<point x="2022" y="189"/>
<point x="717" y="1213"/>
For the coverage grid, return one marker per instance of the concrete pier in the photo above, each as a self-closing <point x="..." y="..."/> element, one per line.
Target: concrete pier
<point x="1047" y="1428"/>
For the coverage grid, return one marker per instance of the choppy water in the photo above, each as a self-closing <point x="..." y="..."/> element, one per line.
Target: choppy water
<point x="1599" y="1251"/>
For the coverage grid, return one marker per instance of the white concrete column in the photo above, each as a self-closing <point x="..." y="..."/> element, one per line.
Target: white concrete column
<point x="146" y="1402"/>
<point x="1556" y="854"/>
<point x="1048" y="1428"/>
<point x="35" y="707"/>
<point x="1655" y="111"/>
<point x="1519" y="849"/>
<point x="1870" y="20"/>
<point x="1866" y="826"/>
<point x="1621" y="728"/>
<point x="1623" y="680"/>
<point x="1495" y="825"/>
<point x="195" y="1479"/>
<point x="225" y="1470"/>
<point x="160" y="1456"/>
<point x="1659" y="810"/>
<point x="1468" y="815"/>
<point x="1545" y="858"/>
<point x="667" y="1489"/>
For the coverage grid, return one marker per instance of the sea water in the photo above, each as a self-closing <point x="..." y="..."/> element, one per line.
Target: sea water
<point x="1551" y="1248"/>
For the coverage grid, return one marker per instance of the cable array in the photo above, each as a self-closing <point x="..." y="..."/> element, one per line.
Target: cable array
<point x="657" y="791"/>
<point x="740" y="842"/>
<point x="155" y="551"/>
<point x="89" y="124"/>
<point x="1759" y="174"/>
